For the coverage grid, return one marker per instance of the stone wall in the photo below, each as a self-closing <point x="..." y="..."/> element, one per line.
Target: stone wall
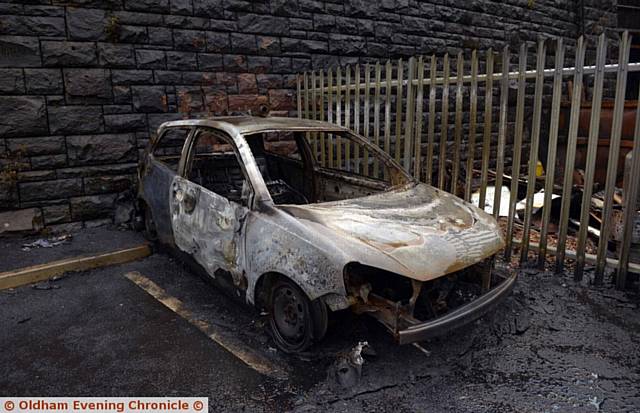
<point x="84" y="83"/>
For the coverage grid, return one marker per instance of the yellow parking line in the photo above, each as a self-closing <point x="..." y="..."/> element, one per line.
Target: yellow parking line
<point x="41" y="272"/>
<point x="234" y="346"/>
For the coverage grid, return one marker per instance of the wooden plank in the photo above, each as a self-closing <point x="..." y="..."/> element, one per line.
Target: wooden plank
<point x="299" y="96"/>
<point x="330" y="116"/>
<point x="347" y="118"/>
<point x="323" y="154"/>
<point x="41" y="272"/>
<point x="366" y="114"/>
<point x="356" y="120"/>
<point x="338" y="164"/>
<point x="387" y="112"/>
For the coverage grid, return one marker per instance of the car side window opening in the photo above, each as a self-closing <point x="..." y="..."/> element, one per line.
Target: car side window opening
<point x="348" y="169"/>
<point x="214" y="165"/>
<point x="168" y="149"/>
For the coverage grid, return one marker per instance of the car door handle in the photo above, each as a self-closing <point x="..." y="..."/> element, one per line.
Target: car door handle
<point x="186" y="199"/>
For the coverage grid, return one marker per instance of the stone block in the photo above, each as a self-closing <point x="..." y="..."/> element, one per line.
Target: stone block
<point x="65" y="53"/>
<point x="182" y="61"/>
<point x="75" y="119"/>
<point x="100" y="149"/>
<point x="189" y="40"/>
<point x="261" y="24"/>
<point x="56" y="214"/>
<point x="48" y="161"/>
<point x="209" y="61"/>
<point x="19" y="51"/>
<point x="150" y="59"/>
<point x="23" y="116"/>
<point x="131" y="77"/>
<point x="107" y="184"/>
<point x="125" y="122"/>
<point x="86" y="24"/>
<point x="43" y="81"/>
<point x="22" y="220"/>
<point x="218" y="42"/>
<point x="243" y="43"/>
<point x="11" y="81"/>
<point x="94" y="206"/>
<point x="116" y="55"/>
<point x="87" y="85"/>
<point x="149" y="98"/>
<point x="208" y="8"/>
<point x="37" y="146"/>
<point x="148" y="6"/>
<point x="33" y="26"/>
<point x="55" y="189"/>
<point x="181" y="7"/>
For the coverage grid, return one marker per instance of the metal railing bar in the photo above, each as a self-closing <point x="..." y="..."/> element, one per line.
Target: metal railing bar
<point x="502" y="133"/>
<point x="457" y="134"/>
<point x="529" y="74"/>
<point x="431" y="127"/>
<point x="614" y="151"/>
<point x="567" y="185"/>
<point x="517" y="148"/>
<point x="473" y="114"/>
<point x="551" y="156"/>
<point x="486" y="136"/>
<point x="592" y="147"/>
<point x="445" y="123"/>
<point x="533" y="150"/>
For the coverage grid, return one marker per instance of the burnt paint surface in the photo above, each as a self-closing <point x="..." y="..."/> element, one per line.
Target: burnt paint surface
<point x="416" y="230"/>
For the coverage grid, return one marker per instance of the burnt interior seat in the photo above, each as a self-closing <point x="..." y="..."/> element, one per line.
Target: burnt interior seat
<point x="220" y="174"/>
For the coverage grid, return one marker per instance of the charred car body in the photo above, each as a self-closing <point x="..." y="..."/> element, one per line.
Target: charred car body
<point x="302" y="217"/>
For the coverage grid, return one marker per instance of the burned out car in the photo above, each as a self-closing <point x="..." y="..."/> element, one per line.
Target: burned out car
<point x="305" y="217"/>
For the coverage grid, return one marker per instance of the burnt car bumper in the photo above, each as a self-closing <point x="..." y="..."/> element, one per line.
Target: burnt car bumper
<point x="458" y="317"/>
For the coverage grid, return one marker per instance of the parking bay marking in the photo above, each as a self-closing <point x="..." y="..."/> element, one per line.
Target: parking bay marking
<point x="234" y="346"/>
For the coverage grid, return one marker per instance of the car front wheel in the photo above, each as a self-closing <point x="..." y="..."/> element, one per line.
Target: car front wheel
<point x="295" y="321"/>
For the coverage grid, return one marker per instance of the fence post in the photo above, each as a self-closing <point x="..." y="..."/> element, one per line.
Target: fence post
<point x="356" y="119"/>
<point x="445" y="122"/>
<point x="366" y="113"/>
<point x="399" y="76"/>
<point x="571" y="155"/>
<point x="338" y="163"/>
<point x="630" y="199"/>
<point x="614" y="151"/>
<point x="473" y="114"/>
<point x="486" y="135"/>
<point x="330" y="116"/>
<point x="592" y="148"/>
<point x="299" y="96"/>
<point x="376" y="118"/>
<point x="408" y="125"/>
<point x="533" y="150"/>
<point x="432" y="118"/>
<point x="323" y="154"/>
<point x="457" y="134"/>
<point x="347" y="118"/>
<point x="502" y="130"/>
<point x="517" y="147"/>
<point x="387" y="112"/>
<point x="553" y="147"/>
<point x="418" y="135"/>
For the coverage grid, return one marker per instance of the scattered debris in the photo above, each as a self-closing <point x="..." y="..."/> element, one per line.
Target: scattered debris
<point x="422" y="349"/>
<point x="349" y="366"/>
<point x="24" y="320"/>
<point x="505" y="194"/>
<point x="47" y="243"/>
<point x="46" y="285"/>
<point x="538" y="201"/>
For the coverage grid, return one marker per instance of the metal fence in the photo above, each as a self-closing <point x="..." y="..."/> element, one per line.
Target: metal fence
<point x="443" y="123"/>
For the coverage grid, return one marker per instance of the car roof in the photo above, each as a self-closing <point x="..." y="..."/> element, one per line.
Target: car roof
<point x="246" y="125"/>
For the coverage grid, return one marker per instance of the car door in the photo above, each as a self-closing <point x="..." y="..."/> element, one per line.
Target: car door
<point x="161" y="166"/>
<point x="209" y="204"/>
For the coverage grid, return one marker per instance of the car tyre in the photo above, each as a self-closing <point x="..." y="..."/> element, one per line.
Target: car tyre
<point x="295" y="321"/>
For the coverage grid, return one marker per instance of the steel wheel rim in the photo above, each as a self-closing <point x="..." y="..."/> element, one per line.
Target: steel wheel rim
<point x="289" y="315"/>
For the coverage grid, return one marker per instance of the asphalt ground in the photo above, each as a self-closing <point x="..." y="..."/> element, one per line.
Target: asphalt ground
<point x="553" y="346"/>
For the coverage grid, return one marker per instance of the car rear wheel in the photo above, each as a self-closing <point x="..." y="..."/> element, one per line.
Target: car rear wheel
<point x="295" y="321"/>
